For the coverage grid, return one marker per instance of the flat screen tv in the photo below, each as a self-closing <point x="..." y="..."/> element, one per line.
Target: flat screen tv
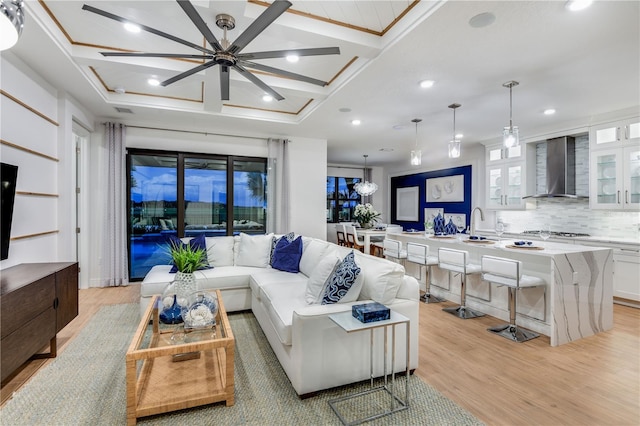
<point x="9" y="174"/>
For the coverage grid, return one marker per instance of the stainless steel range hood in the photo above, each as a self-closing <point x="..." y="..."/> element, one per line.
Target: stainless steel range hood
<point x="560" y="169"/>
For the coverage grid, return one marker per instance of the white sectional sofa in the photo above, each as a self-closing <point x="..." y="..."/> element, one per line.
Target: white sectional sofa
<point x="314" y="352"/>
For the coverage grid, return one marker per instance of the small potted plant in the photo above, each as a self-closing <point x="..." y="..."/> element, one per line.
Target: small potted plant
<point x="366" y="215"/>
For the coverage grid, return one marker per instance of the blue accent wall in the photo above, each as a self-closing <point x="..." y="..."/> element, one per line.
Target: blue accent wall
<point x="419" y="180"/>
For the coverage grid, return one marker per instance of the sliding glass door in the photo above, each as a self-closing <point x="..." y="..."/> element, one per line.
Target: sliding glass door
<point x="187" y="195"/>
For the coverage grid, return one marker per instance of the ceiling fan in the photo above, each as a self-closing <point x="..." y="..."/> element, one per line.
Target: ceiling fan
<point x="224" y="53"/>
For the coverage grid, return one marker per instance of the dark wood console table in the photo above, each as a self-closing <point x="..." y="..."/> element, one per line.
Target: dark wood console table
<point x="36" y="301"/>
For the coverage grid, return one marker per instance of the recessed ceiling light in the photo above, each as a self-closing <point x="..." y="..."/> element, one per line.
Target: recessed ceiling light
<point x="293" y="58"/>
<point x="425" y="84"/>
<point x="133" y="28"/>
<point x="385" y="149"/>
<point x="345" y="109"/>
<point x="576" y="5"/>
<point x="267" y="98"/>
<point x="398" y="127"/>
<point x="482" y="20"/>
<point x="355" y="122"/>
<point x="119" y="90"/>
<point x="549" y="111"/>
<point x="459" y="136"/>
<point x="153" y="82"/>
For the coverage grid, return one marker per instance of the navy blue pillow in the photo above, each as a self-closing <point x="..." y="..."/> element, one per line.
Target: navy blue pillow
<point x="287" y="255"/>
<point x="341" y="280"/>
<point x="196" y="243"/>
<point x="274" y="241"/>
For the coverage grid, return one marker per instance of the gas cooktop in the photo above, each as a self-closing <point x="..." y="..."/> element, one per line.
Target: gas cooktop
<point x="559" y="234"/>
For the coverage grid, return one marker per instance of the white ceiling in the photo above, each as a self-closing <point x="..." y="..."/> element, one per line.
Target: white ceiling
<point x="583" y="64"/>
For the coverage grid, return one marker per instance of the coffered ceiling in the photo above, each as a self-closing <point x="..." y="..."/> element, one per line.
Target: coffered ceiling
<point x="582" y="64"/>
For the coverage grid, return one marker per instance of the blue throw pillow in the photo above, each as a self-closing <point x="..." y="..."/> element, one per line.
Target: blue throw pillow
<point x="341" y="280"/>
<point x="274" y="241"/>
<point x="287" y="255"/>
<point x="196" y="243"/>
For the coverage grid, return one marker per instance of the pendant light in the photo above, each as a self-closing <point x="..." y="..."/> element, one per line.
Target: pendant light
<point x="11" y="22"/>
<point x="454" y="144"/>
<point x="364" y="187"/>
<point x="416" y="154"/>
<point x="510" y="136"/>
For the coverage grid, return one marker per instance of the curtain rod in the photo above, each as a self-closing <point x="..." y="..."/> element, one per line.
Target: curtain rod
<point x="195" y="132"/>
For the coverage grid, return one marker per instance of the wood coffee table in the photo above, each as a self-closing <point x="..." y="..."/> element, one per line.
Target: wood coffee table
<point x="167" y="375"/>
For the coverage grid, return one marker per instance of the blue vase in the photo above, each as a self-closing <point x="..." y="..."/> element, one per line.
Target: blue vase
<point x="438" y="224"/>
<point x="450" y="228"/>
<point x="172" y="314"/>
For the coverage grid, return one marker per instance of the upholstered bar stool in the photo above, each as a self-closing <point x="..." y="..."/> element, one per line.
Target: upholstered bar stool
<point x="508" y="272"/>
<point x="419" y="254"/>
<point x="392" y="249"/>
<point x="456" y="261"/>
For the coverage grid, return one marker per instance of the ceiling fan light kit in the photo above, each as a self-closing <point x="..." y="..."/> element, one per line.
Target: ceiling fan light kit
<point x="223" y="53"/>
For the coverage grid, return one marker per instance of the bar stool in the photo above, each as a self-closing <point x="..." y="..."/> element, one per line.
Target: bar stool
<point x="393" y="249"/>
<point x="342" y="240"/>
<point x="508" y="272"/>
<point x="419" y="254"/>
<point x="456" y="261"/>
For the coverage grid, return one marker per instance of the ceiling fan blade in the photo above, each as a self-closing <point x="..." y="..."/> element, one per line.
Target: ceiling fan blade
<point x="276" y="9"/>
<point x="188" y="73"/>
<point x="284" y="73"/>
<point x="255" y="80"/>
<point x="224" y="82"/>
<point x="147" y="29"/>
<point x="285" y="53"/>
<point x="157" y="55"/>
<point x="197" y="20"/>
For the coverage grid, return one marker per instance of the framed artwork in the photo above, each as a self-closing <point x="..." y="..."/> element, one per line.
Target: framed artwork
<point x="456" y="218"/>
<point x="407" y="203"/>
<point x="430" y="214"/>
<point x="446" y="189"/>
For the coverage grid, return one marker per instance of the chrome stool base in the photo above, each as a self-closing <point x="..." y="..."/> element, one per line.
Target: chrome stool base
<point x="512" y="332"/>
<point x="463" y="312"/>
<point x="430" y="298"/>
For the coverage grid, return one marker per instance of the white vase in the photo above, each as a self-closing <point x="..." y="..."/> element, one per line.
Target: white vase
<point x="184" y="284"/>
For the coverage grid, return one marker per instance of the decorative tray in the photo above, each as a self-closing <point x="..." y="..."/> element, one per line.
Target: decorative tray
<point x="513" y="246"/>
<point x="443" y="236"/>
<point x="479" y="241"/>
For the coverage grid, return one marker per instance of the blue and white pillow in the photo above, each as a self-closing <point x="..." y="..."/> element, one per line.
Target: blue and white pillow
<point x="342" y="279"/>
<point x="274" y="241"/>
<point x="286" y="256"/>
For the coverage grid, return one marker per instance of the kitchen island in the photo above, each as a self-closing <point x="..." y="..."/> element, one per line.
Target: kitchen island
<point x="576" y="303"/>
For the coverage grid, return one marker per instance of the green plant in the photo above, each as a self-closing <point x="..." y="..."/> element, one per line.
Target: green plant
<point x="186" y="258"/>
<point x="365" y="213"/>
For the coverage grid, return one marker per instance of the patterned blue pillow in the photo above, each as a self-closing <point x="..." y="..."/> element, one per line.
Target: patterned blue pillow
<point x="274" y="241"/>
<point x="196" y="243"/>
<point x="341" y="280"/>
<point x="286" y="256"/>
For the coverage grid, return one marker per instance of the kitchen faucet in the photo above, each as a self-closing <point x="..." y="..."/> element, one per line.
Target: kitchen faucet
<point x="473" y="227"/>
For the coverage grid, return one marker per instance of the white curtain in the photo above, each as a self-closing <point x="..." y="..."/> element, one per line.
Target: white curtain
<point x="114" y="249"/>
<point x="278" y="186"/>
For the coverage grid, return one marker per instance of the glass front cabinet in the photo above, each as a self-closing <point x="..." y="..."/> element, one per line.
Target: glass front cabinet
<point x="505" y="178"/>
<point x="615" y="179"/>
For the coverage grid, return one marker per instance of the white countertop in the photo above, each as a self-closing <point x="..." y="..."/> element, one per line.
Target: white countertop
<point x="635" y="241"/>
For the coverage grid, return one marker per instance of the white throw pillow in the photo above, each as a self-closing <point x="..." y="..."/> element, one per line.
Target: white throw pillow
<point x="319" y="276"/>
<point x="311" y="255"/>
<point x="220" y="251"/>
<point x="254" y="250"/>
<point x="382" y="278"/>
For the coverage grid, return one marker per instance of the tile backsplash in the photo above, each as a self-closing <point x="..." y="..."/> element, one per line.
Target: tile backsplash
<point x="569" y="215"/>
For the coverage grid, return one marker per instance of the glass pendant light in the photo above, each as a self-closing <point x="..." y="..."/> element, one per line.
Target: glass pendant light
<point x="510" y="137"/>
<point x="454" y="144"/>
<point x="364" y="187"/>
<point x="416" y="154"/>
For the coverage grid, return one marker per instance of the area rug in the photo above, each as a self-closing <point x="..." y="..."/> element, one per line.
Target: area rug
<point x="85" y="385"/>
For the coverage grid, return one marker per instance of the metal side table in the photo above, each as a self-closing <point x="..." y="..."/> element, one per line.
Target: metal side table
<point x="348" y="323"/>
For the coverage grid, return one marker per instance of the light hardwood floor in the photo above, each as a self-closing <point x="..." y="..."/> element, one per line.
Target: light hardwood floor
<point x="595" y="381"/>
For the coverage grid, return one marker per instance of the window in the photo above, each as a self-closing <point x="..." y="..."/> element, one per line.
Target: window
<point x="341" y="198"/>
<point x="186" y="195"/>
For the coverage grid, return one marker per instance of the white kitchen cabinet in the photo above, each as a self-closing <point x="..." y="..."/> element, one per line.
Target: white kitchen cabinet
<point x="616" y="134"/>
<point x="615" y="178"/>
<point x="506" y="177"/>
